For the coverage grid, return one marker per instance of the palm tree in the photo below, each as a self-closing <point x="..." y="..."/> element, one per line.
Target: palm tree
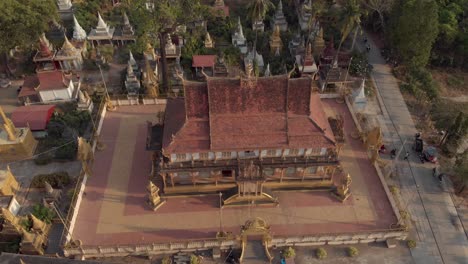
<point x="318" y="8"/>
<point x="351" y="21"/>
<point x="257" y="12"/>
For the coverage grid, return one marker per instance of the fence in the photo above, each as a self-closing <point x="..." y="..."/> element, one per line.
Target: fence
<point x="137" y="99"/>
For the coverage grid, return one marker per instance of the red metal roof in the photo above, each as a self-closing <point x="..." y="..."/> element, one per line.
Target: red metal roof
<point x="226" y="114"/>
<point x="35" y="116"/>
<point x="51" y="80"/>
<point x="205" y="61"/>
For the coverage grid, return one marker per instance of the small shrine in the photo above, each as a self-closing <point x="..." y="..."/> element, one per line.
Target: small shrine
<point x="132" y="84"/>
<point x="203" y="64"/>
<point x="15" y="143"/>
<point x="69" y="57"/>
<point x="267" y="71"/>
<point x="220" y="69"/>
<point x="279" y="19"/>
<point x="258" y="25"/>
<point x="332" y="75"/>
<point x="150" y="80"/>
<point x="208" y="42"/>
<point x="319" y="42"/>
<point x="172" y="51"/>
<point x="305" y="14"/>
<point x="276" y="44"/>
<point x="342" y="190"/>
<point x="220" y="8"/>
<point x="84" y="101"/>
<point x="238" y="39"/>
<point x="296" y="45"/>
<point x="359" y="95"/>
<point x="149" y="53"/>
<point x="252" y="56"/>
<point x="44" y="58"/>
<point x="132" y="61"/>
<point x="79" y="34"/>
<point x="125" y="34"/>
<point x="102" y="33"/>
<point x="307" y="63"/>
<point x="154" y="198"/>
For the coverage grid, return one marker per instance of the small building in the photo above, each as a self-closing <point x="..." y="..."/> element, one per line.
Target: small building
<point x="69" y="57"/>
<point x="55" y="86"/>
<point x="220" y="8"/>
<point x="124" y="34"/>
<point x="172" y="50"/>
<point x="10" y="203"/>
<point x="306" y="63"/>
<point x="102" y="33"/>
<point x="36" y="117"/>
<point x="28" y="93"/>
<point x="279" y="19"/>
<point x="44" y="58"/>
<point x="203" y="63"/>
<point x="8" y="183"/>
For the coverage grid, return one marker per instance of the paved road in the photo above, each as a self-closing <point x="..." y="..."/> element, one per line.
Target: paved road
<point x="436" y="225"/>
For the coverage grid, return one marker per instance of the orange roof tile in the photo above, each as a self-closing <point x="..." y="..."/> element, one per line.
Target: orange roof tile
<point x="205" y="61"/>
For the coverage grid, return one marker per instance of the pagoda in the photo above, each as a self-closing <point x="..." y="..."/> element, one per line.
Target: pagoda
<point x="208" y="41"/>
<point x="64" y="5"/>
<point x="69" y="57"/>
<point x="220" y="8"/>
<point x="220" y="69"/>
<point x="44" y="58"/>
<point x="275" y="41"/>
<point x="79" y="34"/>
<point x="305" y="14"/>
<point x="150" y="80"/>
<point x="102" y="32"/>
<point x="280" y="19"/>
<point x="238" y="39"/>
<point x="15" y="143"/>
<point x="125" y="34"/>
<point x="132" y="84"/>
<point x="319" y="42"/>
<point x="307" y="65"/>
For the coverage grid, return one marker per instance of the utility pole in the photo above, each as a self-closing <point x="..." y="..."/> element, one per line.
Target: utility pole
<point x="221" y="212"/>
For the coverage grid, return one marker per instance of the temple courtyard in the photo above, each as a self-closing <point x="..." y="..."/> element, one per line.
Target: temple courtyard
<point x="114" y="209"/>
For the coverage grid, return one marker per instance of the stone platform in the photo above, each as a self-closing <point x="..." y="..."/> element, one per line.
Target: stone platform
<point x="114" y="210"/>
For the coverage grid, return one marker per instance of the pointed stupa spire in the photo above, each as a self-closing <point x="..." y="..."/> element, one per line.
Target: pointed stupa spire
<point x="101" y="23"/>
<point x="67" y="47"/>
<point x="208" y="41"/>
<point x="129" y="69"/>
<point x="239" y="28"/>
<point x="8" y="126"/>
<point x="131" y="60"/>
<point x="126" y="21"/>
<point x="280" y="6"/>
<point x="267" y="71"/>
<point x="78" y="32"/>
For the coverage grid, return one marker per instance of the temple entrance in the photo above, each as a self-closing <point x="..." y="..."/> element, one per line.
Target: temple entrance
<point x="249" y="188"/>
<point x="255" y="235"/>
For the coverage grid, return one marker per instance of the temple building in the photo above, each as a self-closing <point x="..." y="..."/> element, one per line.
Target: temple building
<point x="102" y="33"/>
<point x="203" y="64"/>
<point x="69" y="57"/>
<point x="279" y="18"/>
<point x="276" y="45"/>
<point x="304" y="13"/>
<point x="44" y="58"/>
<point x="245" y="137"/>
<point x="125" y="34"/>
<point x="238" y="39"/>
<point x="15" y="143"/>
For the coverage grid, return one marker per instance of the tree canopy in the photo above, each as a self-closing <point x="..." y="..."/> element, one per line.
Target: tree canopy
<point x="22" y="21"/>
<point x="414" y="28"/>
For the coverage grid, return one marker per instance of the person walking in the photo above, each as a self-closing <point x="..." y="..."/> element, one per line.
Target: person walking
<point x="406" y="155"/>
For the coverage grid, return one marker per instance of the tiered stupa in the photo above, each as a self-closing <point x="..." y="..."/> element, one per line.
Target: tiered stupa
<point x="275" y="41"/>
<point x="150" y="80"/>
<point x="102" y="32"/>
<point x="280" y="19"/>
<point x="44" y="58"/>
<point x="319" y="42"/>
<point x="79" y="34"/>
<point x="125" y="33"/>
<point x="208" y="41"/>
<point x="69" y="57"/>
<point x="238" y="38"/>
<point x="308" y="65"/>
<point x="132" y="84"/>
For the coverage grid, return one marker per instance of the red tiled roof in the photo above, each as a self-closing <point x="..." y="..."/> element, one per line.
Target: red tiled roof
<point x="51" y="80"/>
<point x="29" y="86"/>
<point x="206" y="61"/>
<point x="226" y="114"/>
<point x="36" y="116"/>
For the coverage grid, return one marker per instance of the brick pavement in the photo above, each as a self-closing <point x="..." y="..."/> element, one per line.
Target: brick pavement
<point x="114" y="210"/>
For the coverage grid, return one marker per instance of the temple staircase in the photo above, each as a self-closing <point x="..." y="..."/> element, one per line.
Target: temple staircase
<point x="253" y="252"/>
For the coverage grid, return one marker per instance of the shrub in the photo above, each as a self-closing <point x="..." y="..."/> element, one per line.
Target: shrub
<point x="43" y="213"/>
<point x="194" y="259"/>
<point x="289" y="253"/>
<point x="352" y="251"/>
<point x="411" y="243"/>
<point x="56" y="180"/>
<point x="321" y="253"/>
<point x="166" y="260"/>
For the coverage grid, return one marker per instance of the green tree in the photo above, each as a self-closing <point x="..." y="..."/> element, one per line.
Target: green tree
<point x="457" y="132"/>
<point x="381" y="7"/>
<point x="414" y="28"/>
<point x="155" y="19"/>
<point x="351" y="20"/>
<point x="257" y="11"/>
<point x="43" y="213"/>
<point x="23" y="21"/>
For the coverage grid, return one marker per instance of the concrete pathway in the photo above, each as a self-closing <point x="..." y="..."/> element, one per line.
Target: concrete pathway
<point x="436" y="225"/>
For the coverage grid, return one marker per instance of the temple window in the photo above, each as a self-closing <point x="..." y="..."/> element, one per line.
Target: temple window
<point x="290" y="171"/>
<point x="268" y="171"/>
<point x="293" y="152"/>
<point x="315" y="152"/>
<point x="249" y="153"/>
<point x="311" y="170"/>
<point x="271" y="152"/>
<point x="226" y="173"/>
<point x="204" y="156"/>
<point x="181" y="156"/>
<point x="226" y="154"/>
